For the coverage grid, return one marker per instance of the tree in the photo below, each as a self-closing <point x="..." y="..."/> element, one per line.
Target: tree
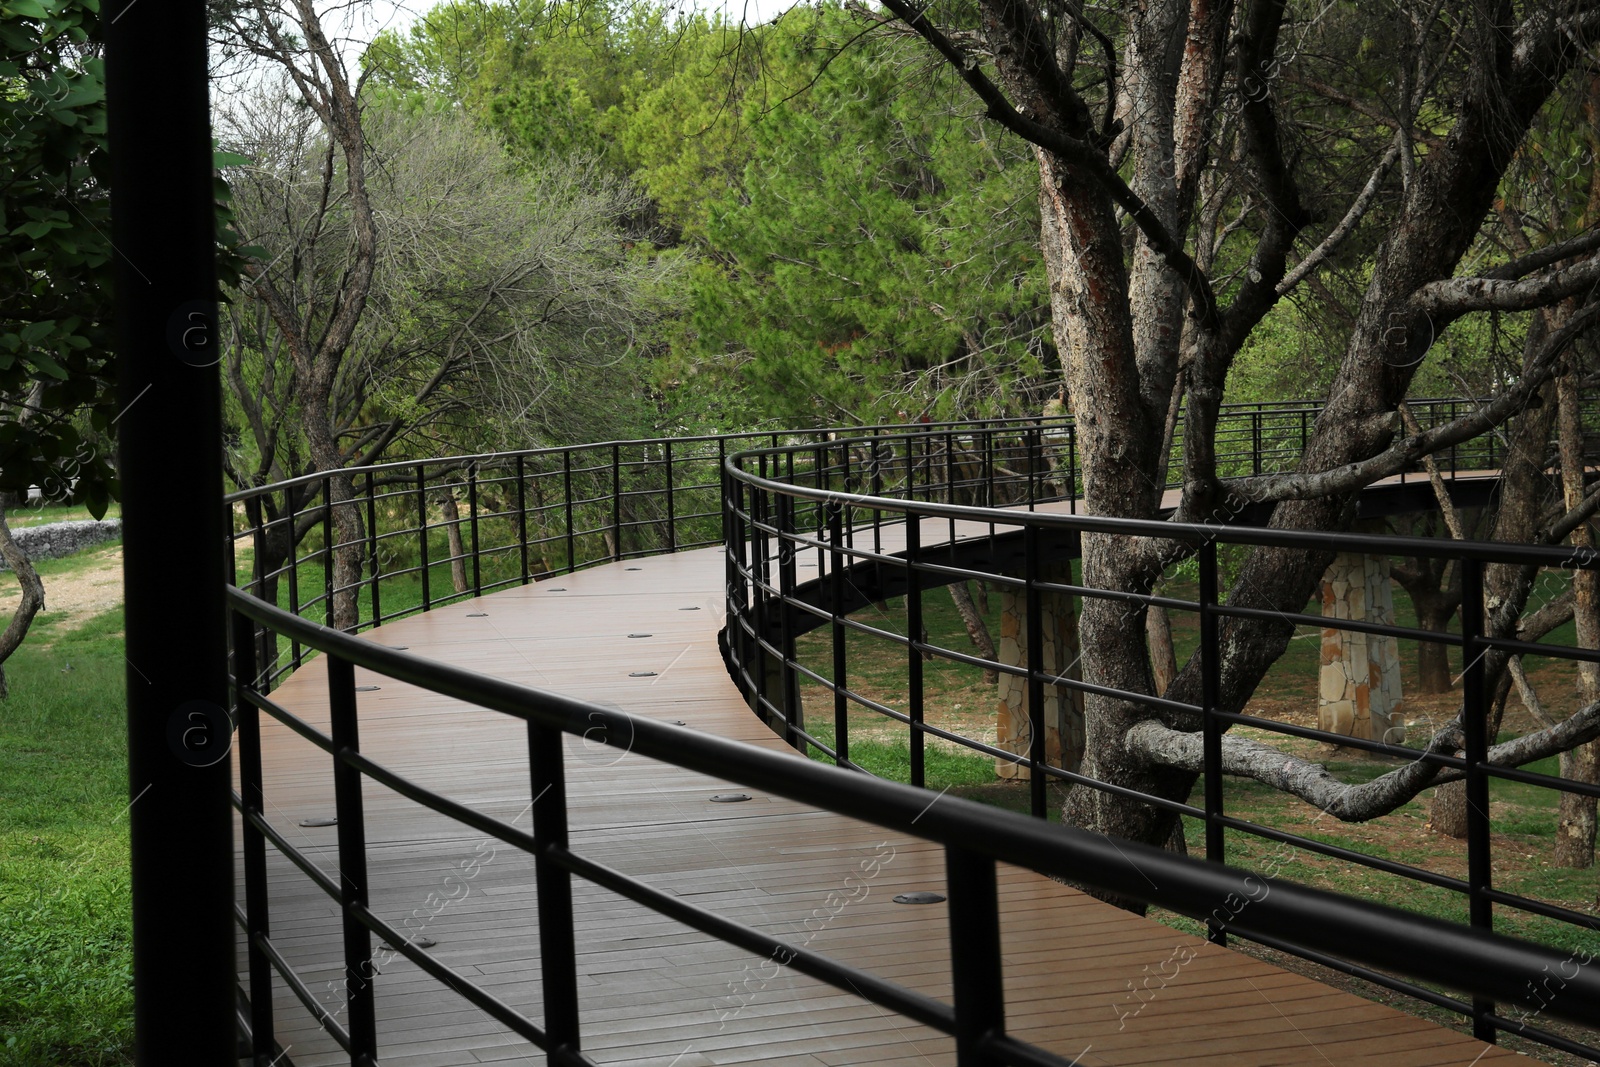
<point x="1201" y="163"/>
<point x="55" y="261"/>
<point x="414" y="289"/>
<point x="878" y="255"/>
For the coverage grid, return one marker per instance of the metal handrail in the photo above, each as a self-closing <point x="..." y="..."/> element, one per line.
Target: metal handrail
<point x="768" y="609"/>
<point x="975" y="837"/>
<point x="1045" y="453"/>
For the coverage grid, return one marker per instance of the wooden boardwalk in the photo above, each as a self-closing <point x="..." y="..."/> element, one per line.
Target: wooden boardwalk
<point x="655" y="993"/>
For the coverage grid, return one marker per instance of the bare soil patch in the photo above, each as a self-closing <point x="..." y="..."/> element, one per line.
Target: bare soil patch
<point x="72" y="597"/>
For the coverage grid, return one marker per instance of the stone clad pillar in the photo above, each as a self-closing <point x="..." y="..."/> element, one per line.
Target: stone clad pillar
<point x="1360" y="680"/>
<point x="1063" y="707"/>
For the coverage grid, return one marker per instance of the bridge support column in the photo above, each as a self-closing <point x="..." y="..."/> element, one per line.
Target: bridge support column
<point x="1063" y="706"/>
<point x="1360" y="680"/>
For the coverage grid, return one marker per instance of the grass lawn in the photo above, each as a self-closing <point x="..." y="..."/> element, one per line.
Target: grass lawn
<point x="66" y="997"/>
<point x="41" y="514"/>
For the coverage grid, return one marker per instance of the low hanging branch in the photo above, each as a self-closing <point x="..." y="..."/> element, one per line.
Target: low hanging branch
<point x="1312" y="783"/>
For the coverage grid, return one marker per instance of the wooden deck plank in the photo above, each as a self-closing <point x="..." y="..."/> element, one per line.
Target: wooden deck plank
<point x="656" y="992"/>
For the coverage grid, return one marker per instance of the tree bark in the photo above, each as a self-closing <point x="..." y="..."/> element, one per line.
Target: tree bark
<point x="458" y="551"/>
<point x="977" y="629"/>
<point x="1163" y="657"/>
<point x="1575" y="826"/>
<point x="32" y="594"/>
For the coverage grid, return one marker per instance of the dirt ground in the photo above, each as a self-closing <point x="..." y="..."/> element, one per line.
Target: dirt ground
<point x="74" y="597"/>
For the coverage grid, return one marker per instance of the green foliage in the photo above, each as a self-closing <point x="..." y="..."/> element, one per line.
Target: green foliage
<point x="55" y="257"/>
<point x="874" y="254"/>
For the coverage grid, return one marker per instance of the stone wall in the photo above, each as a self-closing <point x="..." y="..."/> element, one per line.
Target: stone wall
<point x="59" y="539"/>
<point x="1063" y="706"/>
<point x="1360" y="679"/>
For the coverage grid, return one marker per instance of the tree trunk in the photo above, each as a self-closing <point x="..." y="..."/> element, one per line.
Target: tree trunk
<point x="1575" y="827"/>
<point x="1434" y="612"/>
<point x="977" y="629"/>
<point x="1163" y="657"/>
<point x="32" y="594"/>
<point x="1448" y="813"/>
<point x="458" y="551"/>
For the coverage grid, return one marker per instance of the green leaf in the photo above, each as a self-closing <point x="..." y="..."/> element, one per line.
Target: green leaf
<point x="96" y="499"/>
<point x="48" y="365"/>
<point x="34" y="332"/>
<point x="220" y="159"/>
<point x="28" y="9"/>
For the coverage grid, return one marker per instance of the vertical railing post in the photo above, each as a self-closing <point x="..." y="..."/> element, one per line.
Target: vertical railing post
<point x="422" y="536"/>
<point x="793" y="714"/>
<point x="566" y="489"/>
<point x="372" y="550"/>
<point x="1210" y="726"/>
<point x="253" y="798"/>
<point x="760" y="583"/>
<point x="522" y="516"/>
<point x="294" y="582"/>
<point x="988" y="467"/>
<point x="1035" y="624"/>
<point x="1255" y="441"/>
<point x="472" y="526"/>
<point x="722" y="458"/>
<point x="1035" y="453"/>
<point x="913" y="636"/>
<point x="877" y="490"/>
<point x="976" y="974"/>
<point x="558" y="954"/>
<point x="672" y="509"/>
<point x="267" y="642"/>
<point x="836" y="572"/>
<point x="616" y="502"/>
<point x="360" y="1002"/>
<point x="327" y="551"/>
<point x="1072" y="466"/>
<point x="1475" y="727"/>
<point x="736" y="537"/>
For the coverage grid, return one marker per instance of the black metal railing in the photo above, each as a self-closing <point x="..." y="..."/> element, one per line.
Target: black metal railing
<point x="436" y="531"/>
<point x="793" y="508"/>
<point x="975" y="838"/>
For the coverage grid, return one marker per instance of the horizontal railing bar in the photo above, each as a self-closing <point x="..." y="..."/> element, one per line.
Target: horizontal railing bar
<point x="1189" y="533"/>
<point x="1377" y="863"/>
<point x="1324" y="622"/>
<point x="297" y="985"/>
<point x="318" y="876"/>
<point x="457" y="464"/>
<point x="1355" y="970"/>
<point x="287" y="717"/>
<point x="1543" y="908"/>
<point x="1534" y="648"/>
<point x="1547" y="781"/>
<point x="1538" y="1033"/>
<point x="1475" y="961"/>
<point x="864" y="984"/>
<point x="1344" y="740"/>
<point x="486" y="1002"/>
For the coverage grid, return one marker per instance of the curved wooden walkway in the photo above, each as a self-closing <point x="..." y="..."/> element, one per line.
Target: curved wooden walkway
<point x="655" y="993"/>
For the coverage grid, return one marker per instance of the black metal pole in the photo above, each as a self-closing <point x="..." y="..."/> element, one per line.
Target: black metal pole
<point x="1210" y="727"/>
<point x="170" y="466"/>
<point x="977" y="973"/>
<point x="1038" y="799"/>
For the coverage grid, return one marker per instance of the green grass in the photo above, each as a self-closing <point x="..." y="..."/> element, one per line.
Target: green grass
<point x="39" y="515"/>
<point x="65" y="951"/>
